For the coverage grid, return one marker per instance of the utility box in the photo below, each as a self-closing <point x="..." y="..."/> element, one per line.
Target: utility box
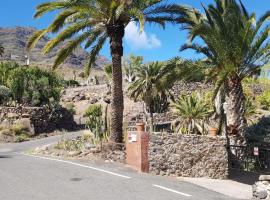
<point x="137" y="146"/>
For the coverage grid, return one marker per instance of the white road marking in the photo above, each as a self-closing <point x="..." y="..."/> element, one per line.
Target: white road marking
<point x="80" y="165"/>
<point x="171" y="190"/>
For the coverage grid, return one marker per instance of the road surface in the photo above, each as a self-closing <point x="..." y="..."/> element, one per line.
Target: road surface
<point x="26" y="177"/>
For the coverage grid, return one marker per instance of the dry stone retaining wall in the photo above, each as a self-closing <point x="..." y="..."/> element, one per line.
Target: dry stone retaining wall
<point x="188" y="155"/>
<point x="43" y="119"/>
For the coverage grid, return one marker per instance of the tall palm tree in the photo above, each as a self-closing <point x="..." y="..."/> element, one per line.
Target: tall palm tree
<point x="152" y="86"/>
<point x="237" y="44"/>
<point x="1" y="50"/>
<point x="91" y="22"/>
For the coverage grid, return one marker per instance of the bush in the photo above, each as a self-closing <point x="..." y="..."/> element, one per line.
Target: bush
<point x="5" y="94"/>
<point x="264" y="100"/>
<point x="5" y="70"/>
<point x="72" y="83"/>
<point x="70" y="145"/>
<point x="21" y="138"/>
<point x="31" y="85"/>
<point x="17" y="132"/>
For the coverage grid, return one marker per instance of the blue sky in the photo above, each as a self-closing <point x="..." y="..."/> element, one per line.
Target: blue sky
<point x="154" y="44"/>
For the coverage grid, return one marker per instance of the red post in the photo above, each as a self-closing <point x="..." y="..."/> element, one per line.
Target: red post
<point x="137" y="146"/>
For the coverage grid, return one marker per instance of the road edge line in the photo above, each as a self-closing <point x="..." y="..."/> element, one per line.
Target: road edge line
<point x="171" y="190"/>
<point x="78" y="164"/>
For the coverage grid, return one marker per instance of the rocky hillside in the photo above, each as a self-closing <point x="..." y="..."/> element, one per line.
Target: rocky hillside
<point x="15" y="40"/>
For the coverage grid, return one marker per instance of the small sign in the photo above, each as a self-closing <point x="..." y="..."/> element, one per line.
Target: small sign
<point x="256" y="151"/>
<point x="132" y="137"/>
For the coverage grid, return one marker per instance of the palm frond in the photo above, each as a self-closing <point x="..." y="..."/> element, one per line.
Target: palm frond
<point x="68" y="49"/>
<point x="35" y="38"/>
<point x="94" y="52"/>
<point x="49" y="7"/>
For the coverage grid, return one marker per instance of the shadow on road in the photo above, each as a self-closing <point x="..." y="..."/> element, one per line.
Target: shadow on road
<point x="5" y="156"/>
<point x="248" y="178"/>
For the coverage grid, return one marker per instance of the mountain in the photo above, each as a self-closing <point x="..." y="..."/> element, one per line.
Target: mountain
<point x="14" y="40"/>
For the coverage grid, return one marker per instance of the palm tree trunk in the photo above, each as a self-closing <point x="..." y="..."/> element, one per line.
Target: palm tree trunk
<point x="236" y="122"/>
<point x="116" y="34"/>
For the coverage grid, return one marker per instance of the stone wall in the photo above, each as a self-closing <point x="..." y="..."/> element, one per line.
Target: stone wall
<point x="43" y="119"/>
<point x="261" y="189"/>
<point x="188" y="155"/>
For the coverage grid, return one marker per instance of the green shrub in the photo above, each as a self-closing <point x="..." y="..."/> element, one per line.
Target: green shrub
<point x="16" y="131"/>
<point x="21" y="138"/>
<point x="72" y="83"/>
<point x="5" y="94"/>
<point x="32" y="85"/>
<point x="5" y="69"/>
<point x="264" y="100"/>
<point x="70" y="145"/>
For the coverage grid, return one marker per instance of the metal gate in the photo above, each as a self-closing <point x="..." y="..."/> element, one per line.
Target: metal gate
<point x="250" y="158"/>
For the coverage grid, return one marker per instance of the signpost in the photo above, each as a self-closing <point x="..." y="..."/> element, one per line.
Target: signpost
<point x="132" y="137"/>
<point x="256" y="151"/>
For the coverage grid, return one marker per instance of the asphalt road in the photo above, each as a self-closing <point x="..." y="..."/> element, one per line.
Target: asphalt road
<point x="24" y="177"/>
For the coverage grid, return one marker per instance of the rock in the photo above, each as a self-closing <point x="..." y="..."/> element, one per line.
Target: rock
<point x="93" y="100"/>
<point x="25" y="115"/>
<point x="37" y="149"/>
<point x="107" y="100"/>
<point x="89" y="146"/>
<point x="264" y="178"/>
<point x="26" y="126"/>
<point x="94" y="150"/>
<point x="74" y="153"/>
<point x="12" y="115"/>
<point x="44" y="148"/>
<point x="261" y="189"/>
<point x="262" y="194"/>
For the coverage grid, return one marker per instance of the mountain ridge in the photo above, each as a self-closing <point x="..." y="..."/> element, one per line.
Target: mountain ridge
<point x="14" y="40"/>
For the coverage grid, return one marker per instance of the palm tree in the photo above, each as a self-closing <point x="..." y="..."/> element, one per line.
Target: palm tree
<point x="152" y="86"/>
<point x="1" y="50"/>
<point x="91" y="22"/>
<point x="237" y="45"/>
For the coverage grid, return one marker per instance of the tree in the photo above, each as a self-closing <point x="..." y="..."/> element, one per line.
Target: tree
<point x="152" y="86"/>
<point x="1" y="50"/>
<point x="236" y="44"/>
<point x="91" y="22"/>
<point x="130" y="64"/>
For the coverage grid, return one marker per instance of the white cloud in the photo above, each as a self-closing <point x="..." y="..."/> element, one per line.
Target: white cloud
<point x="140" y="40"/>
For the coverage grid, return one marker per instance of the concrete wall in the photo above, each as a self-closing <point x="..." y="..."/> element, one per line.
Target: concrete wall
<point x="188" y="155"/>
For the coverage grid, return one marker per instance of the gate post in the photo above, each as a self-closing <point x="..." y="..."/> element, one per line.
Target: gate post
<point x="137" y="146"/>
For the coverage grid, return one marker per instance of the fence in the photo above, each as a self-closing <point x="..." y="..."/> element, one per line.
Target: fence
<point x="250" y="158"/>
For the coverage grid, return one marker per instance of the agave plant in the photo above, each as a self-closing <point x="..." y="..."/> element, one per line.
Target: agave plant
<point x="237" y="44"/>
<point x="90" y="23"/>
<point x="193" y="113"/>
